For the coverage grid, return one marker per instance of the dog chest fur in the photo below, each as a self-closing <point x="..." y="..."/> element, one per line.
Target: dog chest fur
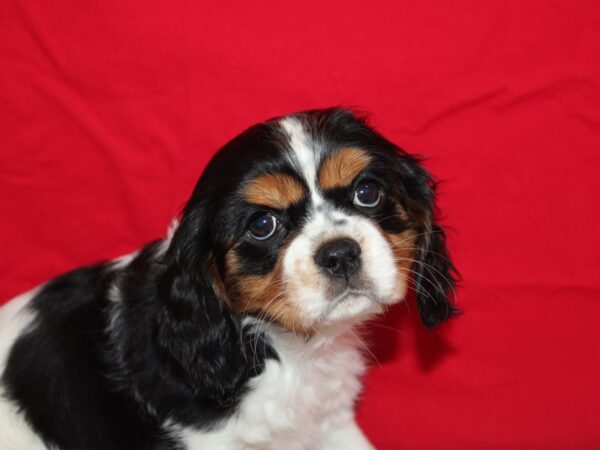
<point x="314" y="384"/>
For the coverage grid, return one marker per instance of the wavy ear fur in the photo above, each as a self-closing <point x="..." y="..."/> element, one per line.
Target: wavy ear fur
<point x="199" y="335"/>
<point x="435" y="274"/>
<point x="435" y="278"/>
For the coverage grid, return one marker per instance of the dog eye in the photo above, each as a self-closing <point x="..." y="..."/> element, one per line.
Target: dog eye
<point x="262" y="226"/>
<point x="367" y="195"/>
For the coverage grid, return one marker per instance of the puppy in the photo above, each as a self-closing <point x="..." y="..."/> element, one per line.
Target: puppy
<point x="236" y="330"/>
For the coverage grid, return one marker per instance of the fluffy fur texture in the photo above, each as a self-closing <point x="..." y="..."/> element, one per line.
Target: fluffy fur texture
<point x="236" y="330"/>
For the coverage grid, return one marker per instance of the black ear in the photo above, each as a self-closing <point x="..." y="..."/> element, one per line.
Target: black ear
<point x="434" y="273"/>
<point x="199" y="335"/>
<point x="434" y="278"/>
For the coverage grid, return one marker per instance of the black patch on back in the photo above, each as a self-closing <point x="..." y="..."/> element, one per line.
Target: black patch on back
<point x="56" y="373"/>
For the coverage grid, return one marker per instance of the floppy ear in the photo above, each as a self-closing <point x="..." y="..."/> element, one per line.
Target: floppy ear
<point x="434" y="278"/>
<point x="434" y="273"/>
<point x="199" y="335"/>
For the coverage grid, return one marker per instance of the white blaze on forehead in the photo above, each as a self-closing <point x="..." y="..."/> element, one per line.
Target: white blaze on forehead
<point x="304" y="279"/>
<point x="304" y="155"/>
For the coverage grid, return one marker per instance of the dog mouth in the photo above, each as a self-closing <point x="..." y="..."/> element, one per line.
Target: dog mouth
<point x="362" y="299"/>
<point x="347" y="294"/>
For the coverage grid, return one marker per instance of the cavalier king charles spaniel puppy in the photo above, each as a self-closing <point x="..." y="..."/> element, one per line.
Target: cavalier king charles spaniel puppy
<point x="237" y="330"/>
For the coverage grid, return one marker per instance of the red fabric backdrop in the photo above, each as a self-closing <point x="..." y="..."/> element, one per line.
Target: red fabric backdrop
<point x="110" y="110"/>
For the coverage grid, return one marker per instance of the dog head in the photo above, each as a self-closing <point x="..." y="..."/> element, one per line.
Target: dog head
<point x="313" y="221"/>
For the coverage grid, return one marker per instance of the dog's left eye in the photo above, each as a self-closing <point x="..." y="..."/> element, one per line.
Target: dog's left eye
<point x="262" y="226"/>
<point x="367" y="195"/>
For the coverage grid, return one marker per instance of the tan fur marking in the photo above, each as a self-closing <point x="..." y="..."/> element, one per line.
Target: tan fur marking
<point x="403" y="248"/>
<point x="275" y="190"/>
<point x="341" y="168"/>
<point x="266" y="295"/>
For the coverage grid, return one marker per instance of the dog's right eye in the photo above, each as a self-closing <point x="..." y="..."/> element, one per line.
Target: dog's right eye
<point x="262" y="226"/>
<point x="367" y="195"/>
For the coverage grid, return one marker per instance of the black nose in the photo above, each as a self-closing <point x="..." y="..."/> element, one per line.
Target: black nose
<point x="339" y="258"/>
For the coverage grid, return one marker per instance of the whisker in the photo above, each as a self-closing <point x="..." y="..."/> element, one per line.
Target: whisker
<point x="365" y="346"/>
<point x="431" y="268"/>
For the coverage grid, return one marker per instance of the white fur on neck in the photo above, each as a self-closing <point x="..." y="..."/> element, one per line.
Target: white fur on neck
<point x="296" y="402"/>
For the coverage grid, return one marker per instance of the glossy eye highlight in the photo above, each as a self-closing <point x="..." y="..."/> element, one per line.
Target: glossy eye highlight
<point x="262" y="226"/>
<point x="367" y="195"/>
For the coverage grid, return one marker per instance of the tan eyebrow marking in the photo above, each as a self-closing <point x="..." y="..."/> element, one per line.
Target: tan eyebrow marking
<point x="275" y="190"/>
<point x="341" y="168"/>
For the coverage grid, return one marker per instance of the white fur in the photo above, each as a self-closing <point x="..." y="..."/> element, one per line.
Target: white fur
<point x="305" y="156"/>
<point x="305" y="401"/>
<point x="123" y="261"/>
<point x="384" y="285"/>
<point x="15" y="318"/>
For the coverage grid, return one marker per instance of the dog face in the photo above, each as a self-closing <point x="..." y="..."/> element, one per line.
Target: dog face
<point x="314" y="220"/>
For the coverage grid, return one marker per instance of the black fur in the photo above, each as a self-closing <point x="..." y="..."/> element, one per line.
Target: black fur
<point x="58" y="374"/>
<point x="184" y="357"/>
<point x="435" y="275"/>
<point x="94" y="373"/>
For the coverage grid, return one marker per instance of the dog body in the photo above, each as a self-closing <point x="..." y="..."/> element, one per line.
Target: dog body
<point x="236" y="330"/>
<point x="313" y="383"/>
